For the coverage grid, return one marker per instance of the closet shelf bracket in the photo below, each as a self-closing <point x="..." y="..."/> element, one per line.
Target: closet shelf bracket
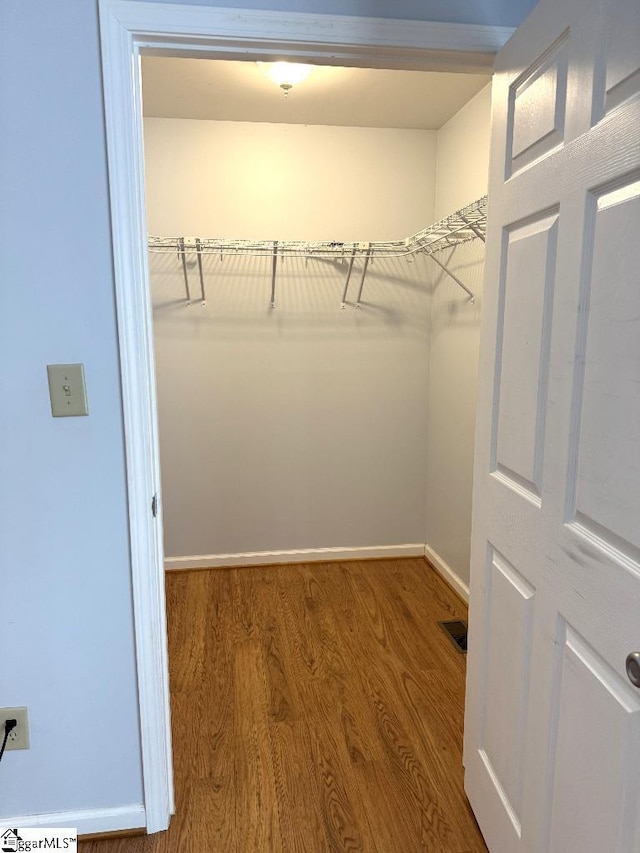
<point x="367" y="258"/>
<point x="274" y="267"/>
<point x="472" y="296"/>
<point x="203" y="299"/>
<point x="183" y="257"/>
<point x="346" y="284"/>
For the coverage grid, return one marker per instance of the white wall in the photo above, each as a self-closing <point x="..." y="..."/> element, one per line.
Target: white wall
<point x="255" y="180"/>
<point x="66" y="630"/>
<point x="462" y="175"/>
<point x="463" y="155"/>
<point x="301" y="427"/>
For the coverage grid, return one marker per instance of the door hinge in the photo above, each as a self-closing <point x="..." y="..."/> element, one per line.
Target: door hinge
<point x="154" y="506"/>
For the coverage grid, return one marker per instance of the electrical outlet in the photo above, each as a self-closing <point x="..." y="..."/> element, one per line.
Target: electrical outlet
<point x="18" y="737"/>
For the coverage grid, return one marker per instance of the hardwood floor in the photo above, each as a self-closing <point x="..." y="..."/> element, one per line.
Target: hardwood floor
<point x="315" y="708"/>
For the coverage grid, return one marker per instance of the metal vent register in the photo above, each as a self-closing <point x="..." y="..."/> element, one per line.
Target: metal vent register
<point x="456" y="630"/>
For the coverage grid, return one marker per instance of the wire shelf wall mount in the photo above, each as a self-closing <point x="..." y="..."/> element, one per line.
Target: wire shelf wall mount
<point x="466" y="224"/>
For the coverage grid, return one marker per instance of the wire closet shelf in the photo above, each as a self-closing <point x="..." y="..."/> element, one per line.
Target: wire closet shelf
<point x="466" y="224"/>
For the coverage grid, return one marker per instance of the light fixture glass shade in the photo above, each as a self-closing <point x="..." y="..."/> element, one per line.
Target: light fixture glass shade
<point x="285" y="74"/>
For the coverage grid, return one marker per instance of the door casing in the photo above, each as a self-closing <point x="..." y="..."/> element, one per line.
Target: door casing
<point x="127" y="30"/>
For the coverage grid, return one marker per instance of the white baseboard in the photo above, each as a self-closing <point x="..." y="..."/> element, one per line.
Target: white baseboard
<point x="86" y="822"/>
<point x="447" y="573"/>
<point x="303" y="555"/>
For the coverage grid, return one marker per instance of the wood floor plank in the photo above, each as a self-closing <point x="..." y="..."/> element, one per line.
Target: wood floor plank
<point x="315" y="708"/>
<point x="297" y="619"/>
<point x="344" y="816"/>
<point x="284" y="702"/>
<point x="386" y="807"/>
<point x="297" y="790"/>
<point x="188" y="595"/>
<point x="203" y="709"/>
<point x="257" y="819"/>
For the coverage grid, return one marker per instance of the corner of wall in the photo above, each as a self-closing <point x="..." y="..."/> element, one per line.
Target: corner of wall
<point x="462" y="163"/>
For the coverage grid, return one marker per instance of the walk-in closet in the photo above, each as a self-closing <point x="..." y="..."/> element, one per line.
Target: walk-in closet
<point x="315" y="264"/>
<point x="316" y="274"/>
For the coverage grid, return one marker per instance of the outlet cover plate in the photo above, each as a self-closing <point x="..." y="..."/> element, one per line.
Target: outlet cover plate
<point x="18" y="737"/>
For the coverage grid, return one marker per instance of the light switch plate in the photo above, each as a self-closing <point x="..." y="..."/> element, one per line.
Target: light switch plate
<point x="67" y="390"/>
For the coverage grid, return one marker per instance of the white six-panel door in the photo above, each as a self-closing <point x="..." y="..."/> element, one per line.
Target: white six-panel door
<point x="552" y="734"/>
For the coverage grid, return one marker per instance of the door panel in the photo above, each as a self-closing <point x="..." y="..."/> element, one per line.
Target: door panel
<point x="511" y="602"/>
<point x="588" y="682"/>
<point x="621" y="64"/>
<point x="523" y="361"/>
<point x="606" y="399"/>
<point x="552" y="729"/>
<point x="537" y="107"/>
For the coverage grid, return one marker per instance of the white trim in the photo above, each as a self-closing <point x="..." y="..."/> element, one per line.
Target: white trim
<point x="447" y="573"/>
<point x="86" y="822"/>
<point x="302" y="555"/>
<point x="336" y="39"/>
<point x="125" y="29"/>
<point x="123" y="114"/>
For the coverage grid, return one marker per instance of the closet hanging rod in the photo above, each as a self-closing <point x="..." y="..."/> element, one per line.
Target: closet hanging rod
<point x="466" y="224"/>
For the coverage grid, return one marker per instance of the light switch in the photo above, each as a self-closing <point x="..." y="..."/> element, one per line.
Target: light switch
<point x="67" y="390"/>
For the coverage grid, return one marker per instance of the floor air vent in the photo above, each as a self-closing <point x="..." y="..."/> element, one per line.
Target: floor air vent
<point x="457" y="633"/>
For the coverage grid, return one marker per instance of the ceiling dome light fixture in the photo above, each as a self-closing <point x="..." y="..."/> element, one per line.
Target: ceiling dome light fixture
<point x="285" y="74"/>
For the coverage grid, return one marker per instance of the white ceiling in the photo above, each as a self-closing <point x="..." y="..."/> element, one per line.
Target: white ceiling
<point x="353" y="97"/>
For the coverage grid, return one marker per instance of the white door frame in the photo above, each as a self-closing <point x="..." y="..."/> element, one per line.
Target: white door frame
<point x="127" y="29"/>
